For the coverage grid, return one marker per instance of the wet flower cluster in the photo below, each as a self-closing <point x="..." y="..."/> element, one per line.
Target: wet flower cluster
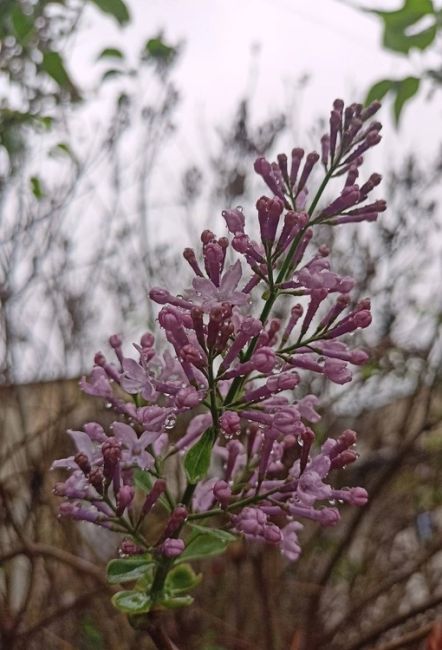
<point x="248" y="452"/>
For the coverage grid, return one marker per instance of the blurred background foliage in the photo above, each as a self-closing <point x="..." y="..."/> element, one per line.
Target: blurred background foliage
<point x="77" y="253"/>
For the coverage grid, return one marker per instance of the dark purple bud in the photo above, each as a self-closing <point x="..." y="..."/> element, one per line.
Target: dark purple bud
<point x="83" y="462"/>
<point x="172" y="547"/>
<point x="310" y="162"/>
<point x="187" y="398"/>
<point x="230" y="424"/>
<point x="317" y="297"/>
<point x="111" y="450"/>
<point x="207" y="236"/>
<point x="368" y="112"/>
<point x="346" y="440"/>
<point x="348" y="198"/>
<point x="156" y="491"/>
<point x="352" y="175"/>
<point x="115" y="341"/>
<point x="307" y="437"/>
<point x="147" y="340"/>
<point x="222" y="493"/>
<point x="96" y="479"/>
<point x="124" y="498"/>
<point x="343" y="459"/>
<point x="262" y="166"/>
<point x="373" y="138"/>
<point x="295" y="314"/>
<point x="297" y="156"/>
<point x="272" y="534"/>
<point x="325" y="149"/>
<point x="191" y="354"/>
<point x="377" y="206"/>
<point x="176" y="520"/>
<point x="372" y="182"/>
<point x="282" y="162"/>
<point x="128" y="547"/>
<point x="335" y="128"/>
<point x="190" y="257"/>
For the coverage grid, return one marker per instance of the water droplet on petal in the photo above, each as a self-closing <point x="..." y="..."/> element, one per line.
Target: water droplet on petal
<point x="170" y="421"/>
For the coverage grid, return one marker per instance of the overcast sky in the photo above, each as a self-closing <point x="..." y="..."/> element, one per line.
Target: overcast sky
<point x="337" y="45"/>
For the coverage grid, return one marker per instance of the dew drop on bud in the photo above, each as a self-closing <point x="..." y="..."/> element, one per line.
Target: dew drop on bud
<point x="108" y="405"/>
<point x="332" y="502"/>
<point x="170" y="421"/>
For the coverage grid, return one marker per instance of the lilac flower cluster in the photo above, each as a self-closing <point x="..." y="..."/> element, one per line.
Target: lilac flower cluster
<point x="238" y="372"/>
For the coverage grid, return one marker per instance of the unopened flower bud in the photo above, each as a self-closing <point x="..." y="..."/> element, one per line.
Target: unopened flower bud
<point x="83" y="462"/>
<point x="172" y="547"/>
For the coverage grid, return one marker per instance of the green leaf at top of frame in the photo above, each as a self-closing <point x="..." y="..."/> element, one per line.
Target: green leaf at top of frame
<point x="115" y="8"/>
<point x="405" y="90"/>
<point x="379" y="90"/>
<point x="127" y="569"/>
<point x="402" y="89"/>
<point x="197" y="459"/>
<point x="400" y="26"/>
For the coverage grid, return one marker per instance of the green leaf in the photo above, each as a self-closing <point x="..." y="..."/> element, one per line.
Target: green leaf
<point x="181" y="578"/>
<point x="174" y="602"/>
<point x="37" y="187"/>
<point x="197" y="460"/>
<point x="53" y="65"/>
<point x="402" y="42"/>
<point x="62" y="149"/>
<point x="111" y="74"/>
<point x="157" y="49"/>
<point x="46" y="121"/>
<point x="132" y="602"/>
<point x="379" y="90"/>
<point x="127" y="569"/>
<point x="143" y="480"/>
<point x="397" y="23"/>
<point x="22" y="26"/>
<point x="205" y="542"/>
<point x="217" y="533"/>
<point x="116" y="8"/>
<point x="110" y="53"/>
<point x="406" y="89"/>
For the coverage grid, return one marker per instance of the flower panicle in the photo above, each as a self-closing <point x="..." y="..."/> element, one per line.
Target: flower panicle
<point x="238" y="372"/>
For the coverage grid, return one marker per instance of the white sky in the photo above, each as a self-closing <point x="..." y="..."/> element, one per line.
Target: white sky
<point x="336" y="44"/>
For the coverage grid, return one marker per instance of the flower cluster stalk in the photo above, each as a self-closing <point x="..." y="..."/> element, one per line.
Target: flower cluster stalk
<point x="248" y="453"/>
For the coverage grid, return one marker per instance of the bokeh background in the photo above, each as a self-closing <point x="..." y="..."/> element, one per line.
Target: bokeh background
<point x="125" y="128"/>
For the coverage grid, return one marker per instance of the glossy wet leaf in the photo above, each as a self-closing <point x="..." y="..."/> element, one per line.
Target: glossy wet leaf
<point x="132" y="602"/>
<point x="127" y="569"/>
<point x="197" y="459"/>
<point x="181" y="578"/>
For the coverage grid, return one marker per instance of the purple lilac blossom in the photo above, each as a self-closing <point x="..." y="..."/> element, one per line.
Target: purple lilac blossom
<point x="237" y="373"/>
